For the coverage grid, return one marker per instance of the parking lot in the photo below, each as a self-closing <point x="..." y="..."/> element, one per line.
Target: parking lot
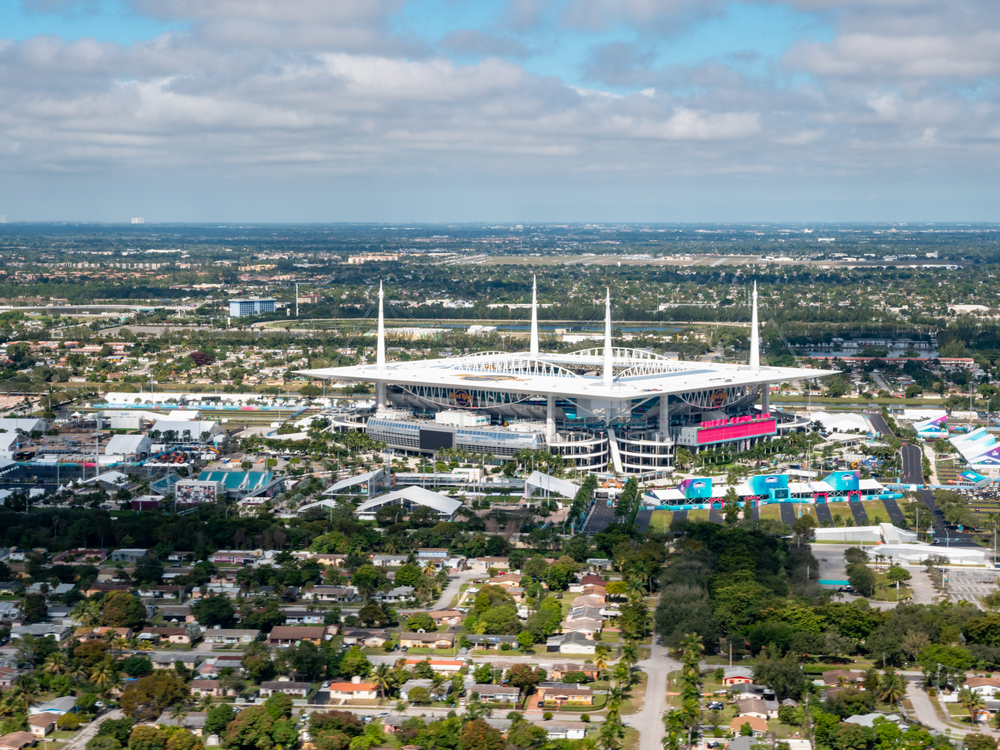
<point x="969" y="585"/>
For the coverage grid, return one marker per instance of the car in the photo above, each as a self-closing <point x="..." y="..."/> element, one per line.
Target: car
<point x="711" y="744"/>
<point x="404" y="649"/>
<point x="720" y="692"/>
<point x="383" y="715"/>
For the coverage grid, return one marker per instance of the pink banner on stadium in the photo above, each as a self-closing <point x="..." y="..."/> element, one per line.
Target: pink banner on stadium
<point x="737" y="431"/>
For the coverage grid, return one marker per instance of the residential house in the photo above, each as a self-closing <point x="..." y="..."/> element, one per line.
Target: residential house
<point x="11" y="587"/>
<point x="51" y="591"/>
<point x="427" y="640"/>
<point x="395" y="595"/>
<point x="167" y="659"/>
<point x="431" y="553"/>
<point x="303" y="617"/>
<point x="178" y="636"/>
<point x="230" y="637"/>
<point x="201" y="688"/>
<point x="447" y="616"/>
<point x="482" y="565"/>
<point x="490" y="641"/>
<point x="335" y="559"/>
<point x="389" y="561"/>
<point x="559" y="671"/>
<point x="736" y="676"/>
<point x="294" y="689"/>
<point x="57" y="706"/>
<point x="236" y="557"/>
<point x="506" y="581"/>
<point x="10" y="675"/>
<point x="758" y="726"/>
<point x="366" y="637"/>
<point x="437" y="694"/>
<point x="759" y="707"/>
<point x="17" y="740"/>
<point x="10" y="610"/>
<point x="162" y="592"/>
<point x="341" y="594"/>
<point x="99" y="634"/>
<point x="988" y="687"/>
<point x="40" y="630"/>
<point x="284" y="635"/>
<point x="591" y="579"/>
<point x="588" y="600"/>
<point x="212" y="666"/>
<point x="41" y="725"/>
<point x="575" y="643"/>
<point x="564" y="730"/>
<point x="177" y="614"/>
<point x="589" y="627"/>
<point x="106" y="588"/>
<point x="497" y="693"/>
<point x="444" y="666"/>
<point x="133" y="556"/>
<point x="579" y="613"/>
<point x="842" y="677"/>
<point x="561" y="693"/>
<point x="352" y="691"/>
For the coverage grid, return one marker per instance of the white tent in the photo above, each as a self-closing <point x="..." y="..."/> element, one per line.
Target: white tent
<point x="410" y="498"/>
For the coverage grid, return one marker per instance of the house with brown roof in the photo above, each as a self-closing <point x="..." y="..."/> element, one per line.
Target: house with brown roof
<point x="507" y="580"/>
<point x="558" y="671"/>
<point x="561" y="693"/>
<point x="201" y="688"/>
<point x="427" y="640"/>
<point x="17" y="740"/>
<point x="447" y="616"/>
<point x="98" y="634"/>
<point x="758" y="726"/>
<point x="177" y="636"/>
<point x="445" y="666"/>
<point x="367" y="637"/>
<point x="757" y="707"/>
<point x="988" y="687"/>
<point x="288" y="635"/>
<point x="843" y="677"/>
<point x="41" y="725"/>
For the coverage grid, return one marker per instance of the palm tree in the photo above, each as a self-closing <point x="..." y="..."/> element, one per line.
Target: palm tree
<point x="178" y="713"/>
<point x="384" y="679"/>
<point x="892" y="687"/>
<point x="610" y="735"/>
<point x="616" y="697"/>
<point x="601" y="661"/>
<point x="972" y="702"/>
<point x="621" y="672"/>
<point x="437" y="683"/>
<point x="78" y="674"/>
<point x="205" y="703"/>
<point x="102" y="674"/>
<point x="55" y="664"/>
<point x="630" y="653"/>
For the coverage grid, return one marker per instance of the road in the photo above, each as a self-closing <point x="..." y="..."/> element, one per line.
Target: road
<point x="787" y="513"/>
<point x="602" y="516"/>
<point x="943" y="534"/>
<point x="913" y="472"/>
<point x="858" y="511"/>
<point x="649" y="721"/>
<point x="90" y="730"/>
<point x="879" y="423"/>
<point x="896" y="516"/>
<point x="823" y="514"/>
<point x="923" y="710"/>
<point x="452" y="589"/>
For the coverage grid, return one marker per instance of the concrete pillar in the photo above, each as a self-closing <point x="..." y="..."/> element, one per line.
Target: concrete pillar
<point x="380" y="402"/>
<point x="664" y="417"/>
<point x="550" y="419"/>
<point x="765" y="399"/>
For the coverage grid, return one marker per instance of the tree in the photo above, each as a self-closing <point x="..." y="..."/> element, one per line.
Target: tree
<point x="418" y="696"/>
<point x="214" y="610"/>
<point x="355" y="663"/>
<point x="122" y="610"/>
<point x="252" y="729"/>
<point x="524" y="677"/>
<point x="804" y="527"/>
<point x="976" y="741"/>
<point x="218" y="719"/>
<point x="525" y="640"/>
<point x="898" y="573"/>
<point x="892" y="687"/>
<point x="972" y="702"/>
<point x="137" y="666"/>
<point x="147" y="738"/>
<point x="420" y="621"/>
<point x="368" y="579"/>
<point x="478" y="735"/>
<point x="34" y="608"/>
<point x="862" y="579"/>
<point x="148" y="697"/>
<point x="118" y="729"/>
<point x="68" y="722"/>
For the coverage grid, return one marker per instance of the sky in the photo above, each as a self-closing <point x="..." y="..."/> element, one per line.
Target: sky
<point x="499" y="110"/>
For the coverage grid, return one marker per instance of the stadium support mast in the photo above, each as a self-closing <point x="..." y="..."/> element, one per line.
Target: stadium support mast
<point x="533" y="342"/>
<point x="754" y="334"/>
<point x="380" y="350"/>
<point x="380" y="346"/>
<point x="608" y="353"/>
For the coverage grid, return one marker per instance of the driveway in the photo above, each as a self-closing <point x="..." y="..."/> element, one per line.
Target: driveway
<point x="90" y="730"/>
<point x="649" y="721"/>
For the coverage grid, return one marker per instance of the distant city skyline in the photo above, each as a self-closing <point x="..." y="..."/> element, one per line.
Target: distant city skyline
<point x="499" y="110"/>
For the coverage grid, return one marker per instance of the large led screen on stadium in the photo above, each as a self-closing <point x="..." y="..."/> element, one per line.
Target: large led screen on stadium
<point x="737" y="431"/>
<point x="435" y="440"/>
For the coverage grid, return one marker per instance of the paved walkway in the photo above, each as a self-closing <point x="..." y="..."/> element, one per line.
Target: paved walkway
<point x="926" y="713"/>
<point x="90" y="730"/>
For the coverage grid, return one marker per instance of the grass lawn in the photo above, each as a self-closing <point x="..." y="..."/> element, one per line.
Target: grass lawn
<point x="631" y="739"/>
<point x="659" y="521"/>
<point x="886" y="591"/>
<point x="633" y="704"/>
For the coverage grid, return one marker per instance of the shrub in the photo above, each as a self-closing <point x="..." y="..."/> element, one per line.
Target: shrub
<point x="68" y="722"/>
<point x="547" y="716"/>
<point x="584" y="718"/>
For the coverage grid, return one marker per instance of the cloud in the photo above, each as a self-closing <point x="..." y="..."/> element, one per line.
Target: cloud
<point x="472" y="42"/>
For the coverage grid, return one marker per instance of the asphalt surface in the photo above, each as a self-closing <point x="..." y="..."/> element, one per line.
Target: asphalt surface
<point x="895" y="514"/>
<point x="823" y="514"/>
<point x="600" y="518"/>
<point x="642" y="519"/>
<point x="787" y="513"/>
<point x="858" y="511"/>
<point x="755" y="513"/>
<point x="715" y="516"/>
<point x="680" y="515"/>
<point x="913" y="472"/>
<point x="943" y="533"/>
<point x="879" y="423"/>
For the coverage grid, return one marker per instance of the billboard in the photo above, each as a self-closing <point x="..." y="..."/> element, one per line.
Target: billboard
<point x="844" y="481"/>
<point x="696" y="487"/>
<point x="763" y="485"/>
<point x="194" y="491"/>
<point x="435" y="440"/>
<point x="735" y="429"/>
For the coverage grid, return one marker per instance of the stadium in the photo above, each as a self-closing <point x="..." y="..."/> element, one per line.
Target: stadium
<point x="611" y="406"/>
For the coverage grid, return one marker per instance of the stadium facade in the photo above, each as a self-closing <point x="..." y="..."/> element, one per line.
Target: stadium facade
<point x="627" y="408"/>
